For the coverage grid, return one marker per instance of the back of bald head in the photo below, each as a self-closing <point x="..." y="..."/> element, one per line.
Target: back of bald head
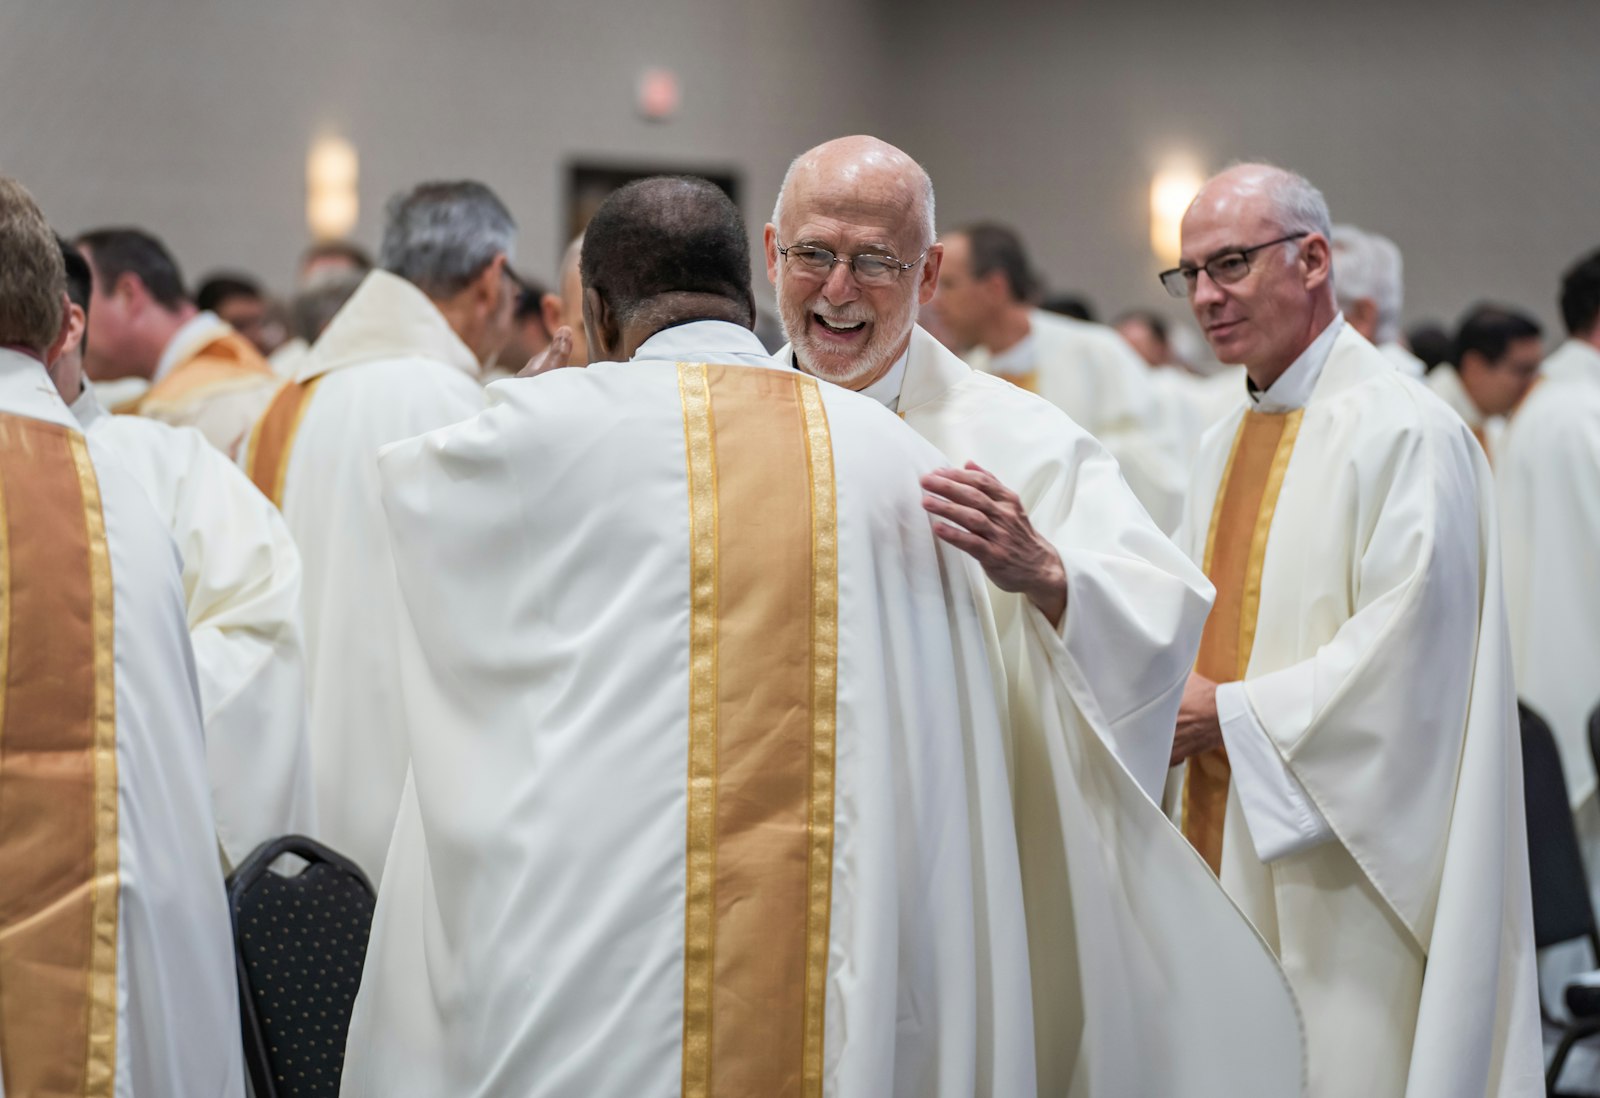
<point x="856" y="163"/>
<point x="665" y="238"/>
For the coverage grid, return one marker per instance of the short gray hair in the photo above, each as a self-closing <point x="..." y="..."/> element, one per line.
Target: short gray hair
<point x="929" y="223"/>
<point x="440" y="236"/>
<point x="1297" y="206"/>
<point x="1366" y="265"/>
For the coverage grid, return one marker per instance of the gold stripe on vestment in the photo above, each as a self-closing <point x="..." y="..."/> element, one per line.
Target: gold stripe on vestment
<point x="1236" y="550"/>
<point x="764" y="664"/>
<point x="272" y="438"/>
<point x="58" y="769"/>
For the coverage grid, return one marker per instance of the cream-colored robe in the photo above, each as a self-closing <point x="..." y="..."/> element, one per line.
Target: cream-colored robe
<point x="1380" y="674"/>
<point x="530" y="937"/>
<point x="1090" y="372"/>
<point x="1445" y="383"/>
<point x="1190" y="404"/>
<point x="1549" y="486"/>
<point x="1130" y="937"/>
<point x="241" y="583"/>
<point x="210" y="378"/>
<point x="158" y="1001"/>
<point x="388" y="367"/>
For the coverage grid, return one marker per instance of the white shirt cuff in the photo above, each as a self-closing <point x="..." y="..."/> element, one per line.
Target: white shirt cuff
<point x="1281" y="818"/>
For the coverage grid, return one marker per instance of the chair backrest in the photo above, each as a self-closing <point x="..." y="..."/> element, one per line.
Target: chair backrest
<point x="1561" y="907"/>
<point x="299" y="943"/>
<point x="1594" y="738"/>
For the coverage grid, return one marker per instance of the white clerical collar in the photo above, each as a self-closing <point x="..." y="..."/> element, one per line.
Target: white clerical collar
<point x="706" y="341"/>
<point x="1015" y="360"/>
<point x="886" y="390"/>
<point x="1294" y="386"/>
<point x="199" y="330"/>
<point x="26" y="390"/>
<point x="87" y="408"/>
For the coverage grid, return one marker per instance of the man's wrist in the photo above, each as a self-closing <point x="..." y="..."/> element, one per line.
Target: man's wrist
<point x="1050" y="593"/>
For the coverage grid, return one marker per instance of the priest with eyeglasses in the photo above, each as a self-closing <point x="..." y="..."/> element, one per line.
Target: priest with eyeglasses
<point x="1346" y="755"/>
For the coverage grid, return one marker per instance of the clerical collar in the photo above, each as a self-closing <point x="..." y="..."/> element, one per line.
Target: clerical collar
<point x="1294" y="386"/>
<point x="705" y="341"/>
<point x="886" y="390"/>
<point x="199" y="330"/>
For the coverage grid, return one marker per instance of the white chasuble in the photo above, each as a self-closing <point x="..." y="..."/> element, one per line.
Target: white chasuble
<point x="387" y="367"/>
<point x="1130" y="937"/>
<point x="116" y="962"/>
<point x="708" y="791"/>
<point x="1090" y="373"/>
<point x="1353" y="544"/>
<point x="241" y="583"/>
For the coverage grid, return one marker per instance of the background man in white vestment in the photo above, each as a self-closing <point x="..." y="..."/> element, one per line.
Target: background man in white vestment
<point x="986" y="300"/>
<point x="708" y="792"/>
<point x="1549" y="481"/>
<point x="1497" y="356"/>
<point x="241" y="582"/>
<point x="1098" y="615"/>
<point x="1352" y="767"/>
<point x="116" y="963"/>
<point x="402" y="357"/>
<point x="1369" y="287"/>
<point x="201" y="372"/>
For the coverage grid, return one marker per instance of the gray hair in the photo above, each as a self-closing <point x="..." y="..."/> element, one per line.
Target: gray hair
<point x="1297" y="206"/>
<point x="312" y="309"/>
<point x="928" y="221"/>
<point x="440" y="236"/>
<point x="1366" y="265"/>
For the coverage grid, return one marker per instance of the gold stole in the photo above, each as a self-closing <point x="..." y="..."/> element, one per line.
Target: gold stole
<point x="1236" y="548"/>
<point x="272" y="438"/>
<point x="763" y="665"/>
<point x="58" y="768"/>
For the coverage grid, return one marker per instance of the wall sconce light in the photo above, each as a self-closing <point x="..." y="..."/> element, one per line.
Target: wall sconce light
<point x="332" y="169"/>
<point x="1171" y="191"/>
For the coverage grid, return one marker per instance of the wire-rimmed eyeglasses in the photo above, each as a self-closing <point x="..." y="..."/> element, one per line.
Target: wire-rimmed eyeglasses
<point x="869" y="268"/>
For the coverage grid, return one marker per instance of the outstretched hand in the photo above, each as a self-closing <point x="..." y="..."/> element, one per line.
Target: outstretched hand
<point x="985" y="519"/>
<point x="553" y="357"/>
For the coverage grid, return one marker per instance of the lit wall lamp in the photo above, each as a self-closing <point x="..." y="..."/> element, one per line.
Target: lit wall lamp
<point x="332" y="169"/>
<point x="1171" y="191"/>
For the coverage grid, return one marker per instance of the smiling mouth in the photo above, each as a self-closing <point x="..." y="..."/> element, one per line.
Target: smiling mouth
<point x="838" y="328"/>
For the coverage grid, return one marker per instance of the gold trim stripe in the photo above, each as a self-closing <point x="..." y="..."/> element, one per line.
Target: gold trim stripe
<point x="701" y="838"/>
<point x="824" y="709"/>
<point x="764" y="664"/>
<point x="272" y="438"/>
<point x="58" y="771"/>
<point x="1236" y="549"/>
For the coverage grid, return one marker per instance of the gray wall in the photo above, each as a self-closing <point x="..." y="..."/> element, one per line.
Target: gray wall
<point x="193" y="117"/>
<point x="1468" y="131"/>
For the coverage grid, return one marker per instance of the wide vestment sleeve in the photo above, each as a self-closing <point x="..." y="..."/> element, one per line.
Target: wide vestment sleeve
<point x="1401" y="727"/>
<point x="1146" y="977"/>
<point x="241" y="580"/>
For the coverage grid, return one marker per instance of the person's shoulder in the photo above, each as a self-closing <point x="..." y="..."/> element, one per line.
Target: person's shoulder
<point x="993" y="408"/>
<point x="1557" y="414"/>
<point x="1081" y="335"/>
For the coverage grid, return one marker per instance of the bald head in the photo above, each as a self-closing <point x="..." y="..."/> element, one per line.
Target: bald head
<point x="1256" y="239"/>
<point x="856" y="196"/>
<point x="863" y="170"/>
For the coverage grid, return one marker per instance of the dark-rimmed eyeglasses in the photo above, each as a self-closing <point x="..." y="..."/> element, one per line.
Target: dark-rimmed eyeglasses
<point x="1224" y="270"/>
<point x="869" y="268"/>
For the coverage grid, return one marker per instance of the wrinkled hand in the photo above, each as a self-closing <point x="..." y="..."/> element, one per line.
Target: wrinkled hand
<point x="986" y="519"/>
<point x="553" y="357"/>
<point x="1198" y="729"/>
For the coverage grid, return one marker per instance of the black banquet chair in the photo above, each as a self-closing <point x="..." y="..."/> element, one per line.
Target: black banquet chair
<point x="1562" y="910"/>
<point x="299" y="939"/>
